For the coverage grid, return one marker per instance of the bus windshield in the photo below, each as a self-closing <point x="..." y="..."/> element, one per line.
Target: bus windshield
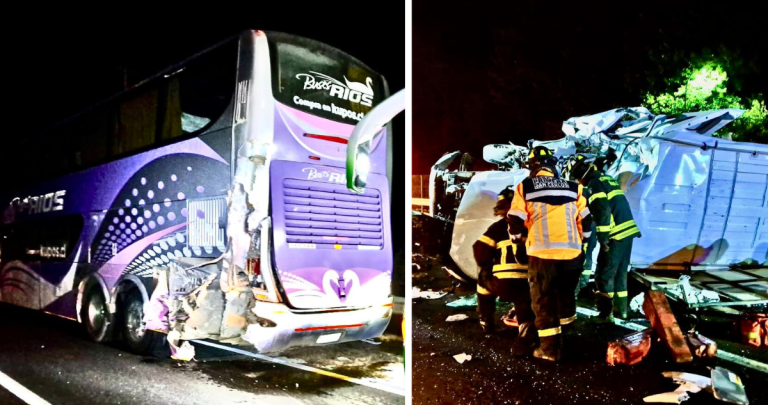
<point x="321" y="80"/>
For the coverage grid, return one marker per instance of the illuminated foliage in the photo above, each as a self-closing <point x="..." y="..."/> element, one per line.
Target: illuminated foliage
<point x="703" y="88"/>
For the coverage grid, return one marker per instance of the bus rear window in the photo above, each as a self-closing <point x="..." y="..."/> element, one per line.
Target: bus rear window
<point x="321" y="80"/>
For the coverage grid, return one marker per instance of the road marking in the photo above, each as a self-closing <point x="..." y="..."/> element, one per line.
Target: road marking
<point x="734" y="358"/>
<point x="20" y="391"/>
<point x="369" y="384"/>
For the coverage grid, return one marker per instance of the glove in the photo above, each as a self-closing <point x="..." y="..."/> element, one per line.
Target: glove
<point x="605" y="247"/>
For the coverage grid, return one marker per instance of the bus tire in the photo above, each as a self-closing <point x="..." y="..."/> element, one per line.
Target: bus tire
<point x="137" y="338"/>
<point x="95" y="314"/>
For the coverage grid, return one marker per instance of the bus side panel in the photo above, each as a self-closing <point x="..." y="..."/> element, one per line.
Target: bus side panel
<point x="134" y="216"/>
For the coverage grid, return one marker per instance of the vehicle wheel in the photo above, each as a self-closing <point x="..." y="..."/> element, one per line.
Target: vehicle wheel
<point x="95" y="314"/>
<point x="137" y="337"/>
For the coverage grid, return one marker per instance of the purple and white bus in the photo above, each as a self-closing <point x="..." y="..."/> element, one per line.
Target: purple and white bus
<point x="211" y="200"/>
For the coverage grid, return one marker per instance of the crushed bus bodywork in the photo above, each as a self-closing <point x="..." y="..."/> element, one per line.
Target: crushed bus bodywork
<point x="700" y="201"/>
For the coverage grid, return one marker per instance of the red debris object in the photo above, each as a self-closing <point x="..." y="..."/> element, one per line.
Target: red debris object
<point x="754" y="329"/>
<point x="702" y="346"/>
<point x="630" y="349"/>
<point x="663" y="321"/>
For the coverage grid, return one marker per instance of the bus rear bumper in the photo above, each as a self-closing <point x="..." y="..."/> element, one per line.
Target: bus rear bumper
<point x="293" y="328"/>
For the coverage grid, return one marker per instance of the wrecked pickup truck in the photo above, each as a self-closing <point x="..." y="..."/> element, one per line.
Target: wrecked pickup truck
<point x="261" y="219"/>
<point x="700" y="201"/>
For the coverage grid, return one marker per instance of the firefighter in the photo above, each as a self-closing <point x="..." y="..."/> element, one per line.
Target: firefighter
<point x="552" y="210"/>
<point x="590" y="236"/>
<point x="503" y="270"/>
<point x="615" y="230"/>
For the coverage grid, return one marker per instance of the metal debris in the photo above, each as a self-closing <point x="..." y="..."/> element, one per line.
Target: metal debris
<point x="461" y="358"/>
<point x="428" y="294"/>
<point x="456" y="318"/>
<point x="468" y="301"/>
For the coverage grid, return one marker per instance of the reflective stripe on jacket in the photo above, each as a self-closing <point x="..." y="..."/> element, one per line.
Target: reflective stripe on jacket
<point x="495" y="252"/>
<point x="610" y="209"/>
<point x="552" y="210"/>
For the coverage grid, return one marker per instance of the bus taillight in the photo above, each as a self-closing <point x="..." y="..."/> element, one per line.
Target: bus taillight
<point x="253" y="266"/>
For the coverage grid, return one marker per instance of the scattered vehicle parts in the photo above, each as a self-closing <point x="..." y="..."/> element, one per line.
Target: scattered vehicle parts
<point x="468" y="301"/>
<point x="663" y="321"/>
<point x="456" y="318"/>
<point x="701" y="346"/>
<point x="461" y="358"/>
<point x="428" y="294"/>
<point x="727" y="387"/>
<point x="630" y="349"/>
<point x="688" y="383"/>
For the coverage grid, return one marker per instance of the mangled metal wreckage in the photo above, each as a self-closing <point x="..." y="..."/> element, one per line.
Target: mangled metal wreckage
<point x="700" y="201"/>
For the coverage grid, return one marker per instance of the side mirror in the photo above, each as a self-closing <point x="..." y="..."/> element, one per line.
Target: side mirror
<point x="359" y="144"/>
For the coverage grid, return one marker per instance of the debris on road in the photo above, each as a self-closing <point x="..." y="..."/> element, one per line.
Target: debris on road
<point x="456" y="318"/>
<point x="630" y="349"/>
<point x="688" y="383"/>
<point x="461" y="358"/>
<point x="727" y="387"/>
<point x="428" y="294"/>
<point x="468" y="301"/>
<point x="684" y="291"/>
<point x="702" y="346"/>
<point x="663" y="321"/>
<point x="636" y="303"/>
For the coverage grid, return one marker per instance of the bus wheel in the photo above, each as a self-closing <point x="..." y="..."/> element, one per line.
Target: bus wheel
<point x="95" y="315"/>
<point x="137" y="337"/>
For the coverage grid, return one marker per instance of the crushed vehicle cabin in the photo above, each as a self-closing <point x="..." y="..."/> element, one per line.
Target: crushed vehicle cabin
<point x="700" y="201"/>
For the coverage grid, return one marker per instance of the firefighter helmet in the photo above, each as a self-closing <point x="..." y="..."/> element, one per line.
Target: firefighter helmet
<point x="504" y="201"/>
<point x="579" y="166"/>
<point x="539" y="158"/>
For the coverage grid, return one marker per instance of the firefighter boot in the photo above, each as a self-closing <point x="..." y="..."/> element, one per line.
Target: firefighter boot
<point x="550" y="348"/>
<point x="604" y="307"/>
<point x="527" y="339"/>
<point x="487" y="324"/>
<point x="620" y="307"/>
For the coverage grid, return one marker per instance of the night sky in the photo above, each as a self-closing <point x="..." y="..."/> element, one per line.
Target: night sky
<point x="61" y="59"/>
<point x="494" y="74"/>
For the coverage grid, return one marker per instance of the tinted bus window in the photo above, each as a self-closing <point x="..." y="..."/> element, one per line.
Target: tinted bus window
<point x="174" y="105"/>
<point x="322" y="81"/>
<point x="42" y="240"/>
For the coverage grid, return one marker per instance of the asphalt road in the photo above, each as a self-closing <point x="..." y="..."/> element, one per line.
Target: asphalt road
<point x="493" y="376"/>
<point x="52" y="357"/>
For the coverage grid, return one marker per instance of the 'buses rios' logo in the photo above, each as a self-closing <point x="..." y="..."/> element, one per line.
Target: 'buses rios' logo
<point x="353" y="91"/>
<point x="325" y="175"/>
<point x="42" y="203"/>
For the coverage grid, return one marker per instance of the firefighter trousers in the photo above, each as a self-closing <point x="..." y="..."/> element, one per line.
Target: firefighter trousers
<point x="552" y="283"/>
<point x="514" y="290"/>
<point x="611" y="275"/>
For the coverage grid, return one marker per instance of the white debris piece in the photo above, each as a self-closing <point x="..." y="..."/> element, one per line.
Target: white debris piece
<point x="456" y="318"/>
<point x="636" y="304"/>
<point x="688" y="383"/>
<point x="461" y="358"/>
<point x="428" y="294"/>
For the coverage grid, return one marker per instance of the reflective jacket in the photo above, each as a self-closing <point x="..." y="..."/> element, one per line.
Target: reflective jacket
<point x="552" y="209"/>
<point x="495" y="251"/>
<point x="610" y="209"/>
